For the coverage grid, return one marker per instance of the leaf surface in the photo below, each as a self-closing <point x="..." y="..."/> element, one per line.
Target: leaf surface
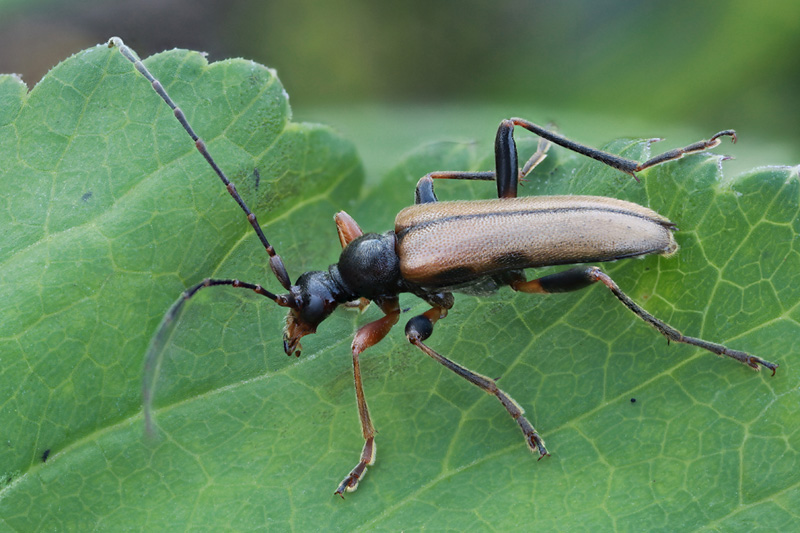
<point x="110" y="213"/>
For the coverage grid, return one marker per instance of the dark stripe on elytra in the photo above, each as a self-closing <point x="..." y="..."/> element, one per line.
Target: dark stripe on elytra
<point x="463" y="274"/>
<point x="511" y="259"/>
<point x="403" y="232"/>
<point x="453" y="275"/>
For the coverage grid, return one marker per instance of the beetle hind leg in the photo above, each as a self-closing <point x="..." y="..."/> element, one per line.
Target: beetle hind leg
<point x="580" y="277"/>
<point x="628" y="166"/>
<point x="420" y="328"/>
<point x="673" y="334"/>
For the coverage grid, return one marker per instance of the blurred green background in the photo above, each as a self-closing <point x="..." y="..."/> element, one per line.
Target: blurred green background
<point x="392" y="76"/>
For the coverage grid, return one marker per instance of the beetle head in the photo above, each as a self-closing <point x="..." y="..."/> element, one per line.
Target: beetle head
<point x="311" y="300"/>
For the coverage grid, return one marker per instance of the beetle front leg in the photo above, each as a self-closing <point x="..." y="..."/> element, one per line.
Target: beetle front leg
<point x="349" y="230"/>
<point x="368" y="335"/>
<point x="507" y="175"/>
<point x="578" y="278"/>
<point x="420" y="328"/>
<point x="424" y="193"/>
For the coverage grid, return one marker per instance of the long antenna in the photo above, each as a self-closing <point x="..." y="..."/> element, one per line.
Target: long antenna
<point x="275" y="261"/>
<point x="155" y="352"/>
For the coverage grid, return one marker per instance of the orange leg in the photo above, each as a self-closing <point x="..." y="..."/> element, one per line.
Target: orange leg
<point x="349" y="230"/>
<point x="368" y="335"/>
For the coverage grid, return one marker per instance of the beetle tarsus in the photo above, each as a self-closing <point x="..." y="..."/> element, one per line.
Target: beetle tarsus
<point x="351" y="480"/>
<point x="724" y="133"/>
<point x="754" y="363"/>
<point x="693" y="148"/>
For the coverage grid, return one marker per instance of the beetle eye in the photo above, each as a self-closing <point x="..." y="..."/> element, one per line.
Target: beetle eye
<point x="313" y="310"/>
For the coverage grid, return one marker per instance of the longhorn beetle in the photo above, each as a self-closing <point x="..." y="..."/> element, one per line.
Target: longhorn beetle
<point x="437" y="248"/>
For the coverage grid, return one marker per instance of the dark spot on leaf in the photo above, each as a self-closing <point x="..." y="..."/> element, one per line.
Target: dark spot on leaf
<point x="45" y="455"/>
<point x="633" y="400"/>
<point x="86" y="196"/>
<point x="256" y="178"/>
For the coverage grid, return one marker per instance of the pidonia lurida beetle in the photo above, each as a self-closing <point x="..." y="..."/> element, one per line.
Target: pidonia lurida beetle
<point x="438" y="248"/>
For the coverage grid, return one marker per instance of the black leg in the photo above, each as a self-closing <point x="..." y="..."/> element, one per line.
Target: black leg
<point x="424" y="193"/>
<point x="420" y="328"/>
<point x="580" y="277"/>
<point x="506" y="161"/>
<point x="507" y="174"/>
<point x="620" y="163"/>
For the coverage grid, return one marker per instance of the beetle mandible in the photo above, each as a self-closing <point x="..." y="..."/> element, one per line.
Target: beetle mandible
<point x="437" y="248"/>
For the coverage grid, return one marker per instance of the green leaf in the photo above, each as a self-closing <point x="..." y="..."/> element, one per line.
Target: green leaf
<point x="110" y="213"/>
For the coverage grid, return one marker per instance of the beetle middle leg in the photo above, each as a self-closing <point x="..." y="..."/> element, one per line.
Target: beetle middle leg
<point x="507" y="174"/>
<point x="420" y="328"/>
<point x="581" y="277"/>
